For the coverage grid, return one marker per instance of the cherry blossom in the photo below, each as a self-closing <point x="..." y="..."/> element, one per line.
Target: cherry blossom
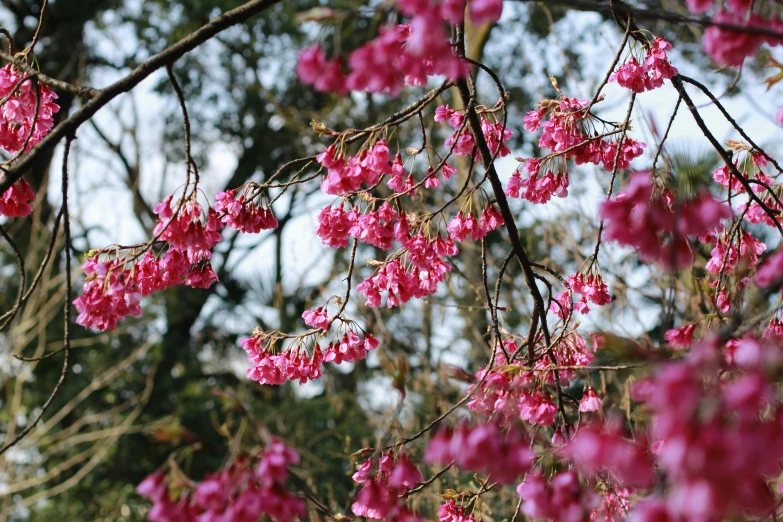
<point x="15" y="202"/>
<point x="28" y="111"/>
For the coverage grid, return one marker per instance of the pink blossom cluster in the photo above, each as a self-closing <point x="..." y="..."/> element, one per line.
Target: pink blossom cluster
<point x="614" y="506"/>
<point x="603" y="449"/>
<point x="432" y="179"/>
<point x="657" y="226"/>
<point x="537" y="407"/>
<point x="18" y="116"/>
<point x="419" y="277"/>
<point x="275" y="367"/>
<point x="378" y="227"/>
<point x="681" y="337"/>
<point x="15" y="202"/>
<point x="562" y="125"/>
<point x="729" y="46"/>
<point x="238" y="493"/>
<point x="451" y="512"/>
<point x="112" y="291"/>
<point x="507" y="391"/>
<point x="402" y="181"/>
<point x="562" y="499"/>
<point x="571" y="350"/>
<point x="651" y="73"/>
<point x="350" y="348"/>
<point x="462" y="140"/>
<point x="537" y="188"/>
<point x="564" y="131"/>
<point x="109" y="294"/>
<point x="774" y="330"/>
<point x="481" y="11"/>
<point x="189" y="230"/>
<point x="743" y="252"/>
<point x="382" y="482"/>
<point x="590" y="286"/>
<point x="333" y="226"/>
<point x="717" y="430"/>
<point x="346" y="174"/>
<point x="499" y="392"/>
<point x="317" y="318"/>
<point x="464" y="224"/>
<point x="502" y="454"/>
<point x="400" y="55"/>
<point x="152" y="275"/>
<point x="243" y="215"/>
<point x="771" y="271"/>
<point x="757" y="214"/>
<point x="750" y="167"/>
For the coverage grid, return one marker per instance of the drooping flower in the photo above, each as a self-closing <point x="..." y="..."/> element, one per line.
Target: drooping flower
<point x="590" y="401"/>
<point x="485" y="448"/>
<point x="109" y="294"/>
<point x="680" y="337"/>
<point x="15" y="201"/>
<point x="564" y="498"/>
<point x="21" y="117"/>
<point x="638" y="218"/>
<point x="242" y="215"/>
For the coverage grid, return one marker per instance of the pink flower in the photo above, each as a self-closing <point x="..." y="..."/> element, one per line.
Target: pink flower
<point x="109" y="294"/>
<point x="729" y="47"/>
<point x="680" y="337"/>
<point x="698" y="6"/>
<point x="450" y="512"/>
<point x="562" y="499"/>
<point x="485" y="11"/>
<point x="464" y="225"/>
<point x="15" y="201"/>
<point x="652" y="509"/>
<point x="779" y="116"/>
<point x="490" y="219"/>
<point x="333" y="227"/>
<point x="312" y="62"/>
<point x="637" y="218"/>
<point x="18" y="117"/>
<point x="594" y="450"/>
<point x="243" y="215"/>
<point x="275" y="461"/>
<point x="533" y="120"/>
<point x="235" y="493"/>
<point x="631" y="75"/>
<point x="770" y="271"/>
<point x="317" y="318"/>
<point x="537" y="408"/>
<point x="201" y="277"/>
<point x="210" y="496"/>
<point x="590" y="401"/>
<point x="350" y="348"/>
<point x="375" y="227"/>
<point x="591" y="286"/>
<point x="153" y="486"/>
<point x="268" y="367"/>
<point x="190" y="230"/>
<point x="372" y="502"/>
<point x="405" y="473"/>
<point x="324" y="75"/>
<point x="484" y="448"/>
